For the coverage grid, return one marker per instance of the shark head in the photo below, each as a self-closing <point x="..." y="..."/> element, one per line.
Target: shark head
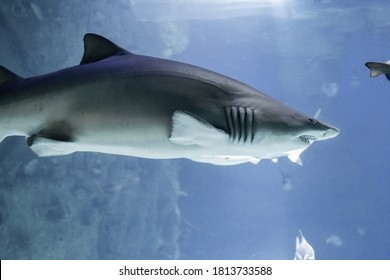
<point x="309" y="130"/>
<point x="286" y="132"/>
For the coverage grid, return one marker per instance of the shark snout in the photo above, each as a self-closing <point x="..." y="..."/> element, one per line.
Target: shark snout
<point x="330" y="133"/>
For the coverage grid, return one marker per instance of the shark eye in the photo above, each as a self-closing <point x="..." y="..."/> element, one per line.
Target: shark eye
<point x="313" y="121"/>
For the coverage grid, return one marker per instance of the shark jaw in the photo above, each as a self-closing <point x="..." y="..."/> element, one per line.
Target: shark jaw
<point x="309" y="139"/>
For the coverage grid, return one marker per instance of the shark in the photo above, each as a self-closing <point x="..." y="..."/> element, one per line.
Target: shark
<point x="118" y="102"/>
<point x="379" y="68"/>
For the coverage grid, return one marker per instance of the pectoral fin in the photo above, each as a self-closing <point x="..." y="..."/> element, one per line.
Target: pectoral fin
<point x="295" y="156"/>
<point x="189" y="129"/>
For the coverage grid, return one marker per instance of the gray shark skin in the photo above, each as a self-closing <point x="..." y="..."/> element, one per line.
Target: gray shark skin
<point x="379" y="68"/>
<point x="121" y="103"/>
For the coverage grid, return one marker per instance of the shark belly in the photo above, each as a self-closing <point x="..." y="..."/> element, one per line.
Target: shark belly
<point x="135" y="119"/>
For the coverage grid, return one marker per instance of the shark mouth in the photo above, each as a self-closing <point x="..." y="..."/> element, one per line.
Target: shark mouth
<point x="308" y="139"/>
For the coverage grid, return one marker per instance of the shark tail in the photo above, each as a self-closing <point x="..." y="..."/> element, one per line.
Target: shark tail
<point x="375" y="73"/>
<point x="379" y="68"/>
<point x="375" y="70"/>
<point x="6" y="76"/>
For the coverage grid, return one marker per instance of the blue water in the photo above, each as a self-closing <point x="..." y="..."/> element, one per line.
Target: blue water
<point x="308" y="54"/>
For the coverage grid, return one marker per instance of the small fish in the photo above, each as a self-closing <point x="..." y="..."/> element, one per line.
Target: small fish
<point x="303" y="250"/>
<point x="379" y="68"/>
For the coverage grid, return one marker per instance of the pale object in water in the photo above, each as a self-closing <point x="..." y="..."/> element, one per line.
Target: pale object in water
<point x="330" y="89"/>
<point x="303" y="250"/>
<point x="334" y="240"/>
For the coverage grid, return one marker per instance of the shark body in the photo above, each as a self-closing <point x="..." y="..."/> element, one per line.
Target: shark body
<point x="118" y="102"/>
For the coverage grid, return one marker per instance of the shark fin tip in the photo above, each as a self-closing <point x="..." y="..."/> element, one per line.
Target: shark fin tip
<point x="295" y="158"/>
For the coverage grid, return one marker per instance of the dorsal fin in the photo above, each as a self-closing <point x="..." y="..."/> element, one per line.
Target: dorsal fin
<point x="7" y="75"/>
<point x="189" y="129"/>
<point x="97" y="47"/>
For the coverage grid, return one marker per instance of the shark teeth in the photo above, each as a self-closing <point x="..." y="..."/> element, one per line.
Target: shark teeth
<point x="307" y="139"/>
